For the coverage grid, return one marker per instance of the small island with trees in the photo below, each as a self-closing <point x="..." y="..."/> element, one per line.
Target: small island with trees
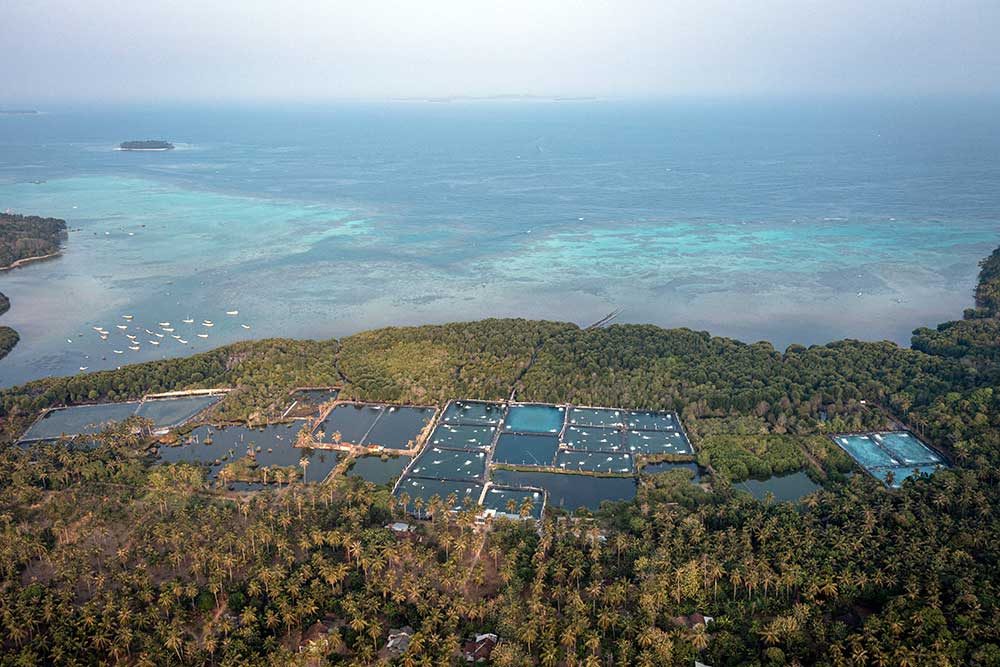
<point x="25" y="239"/>
<point x="146" y="145"/>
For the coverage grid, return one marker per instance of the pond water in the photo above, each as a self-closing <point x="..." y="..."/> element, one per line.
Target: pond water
<point x="377" y="471"/>
<point x="900" y="474"/>
<point x="667" y="466"/>
<point x="569" y="491"/>
<point x="79" y="419"/>
<point x="462" y="436"/>
<point x="534" y="419"/>
<point x="399" y="428"/>
<point x="523" y="449"/>
<point x="596" y="417"/>
<point x="498" y="499"/>
<point x="596" y="462"/>
<point x="172" y="412"/>
<point x="657" y="442"/>
<point x="866" y="451"/>
<point x="425" y="489"/>
<point x="640" y="420"/>
<point x="449" y="464"/>
<point x="352" y="422"/>
<point x="473" y="412"/>
<point x="902" y="445"/>
<point x="275" y="443"/>
<point x="784" y="488"/>
<point x="594" y="439"/>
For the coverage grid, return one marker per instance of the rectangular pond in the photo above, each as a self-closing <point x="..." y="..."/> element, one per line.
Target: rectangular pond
<point x="526" y="450"/>
<point x="351" y="421"/>
<point x="399" y="427"/>
<point x="449" y="463"/>
<point x="906" y="448"/>
<point x="594" y="439"/>
<point x="508" y="502"/>
<point x="534" y="419"/>
<point x="648" y="420"/>
<point x="567" y="491"/>
<point x="172" y="412"/>
<point x="786" y="488"/>
<point x="465" y="493"/>
<point x="866" y="451"/>
<point x="657" y="442"/>
<point x="377" y="470"/>
<point x="473" y="412"/>
<point x="607" y="417"/>
<point x="462" y="436"/>
<point x="79" y="419"/>
<point x="606" y="462"/>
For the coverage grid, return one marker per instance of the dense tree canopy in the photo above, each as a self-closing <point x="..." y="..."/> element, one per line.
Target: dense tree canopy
<point x="106" y="559"/>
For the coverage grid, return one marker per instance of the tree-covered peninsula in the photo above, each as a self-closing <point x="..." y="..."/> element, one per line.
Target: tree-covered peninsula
<point x="109" y="559"/>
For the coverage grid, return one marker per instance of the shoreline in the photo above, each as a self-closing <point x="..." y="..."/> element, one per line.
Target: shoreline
<point x="29" y="260"/>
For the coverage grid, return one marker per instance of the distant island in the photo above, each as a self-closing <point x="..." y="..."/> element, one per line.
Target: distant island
<point x="18" y="112"/>
<point x="25" y="239"/>
<point x="147" y="145"/>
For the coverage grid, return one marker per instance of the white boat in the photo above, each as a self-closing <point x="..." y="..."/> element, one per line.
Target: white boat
<point x="168" y="329"/>
<point x="245" y="326"/>
<point x="208" y="323"/>
<point x="104" y="336"/>
<point x="117" y="351"/>
<point x="232" y="312"/>
<point x="164" y="324"/>
<point x="202" y="335"/>
<point x="175" y="336"/>
<point x="148" y="331"/>
<point x="123" y="327"/>
<point x="154" y="342"/>
<point x="97" y="329"/>
<point x="83" y="368"/>
<point x="130" y="336"/>
<point x="69" y="340"/>
<point x="188" y="321"/>
<point x="181" y="340"/>
<point x="134" y="348"/>
<point x="126" y="317"/>
<point x="158" y="335"/>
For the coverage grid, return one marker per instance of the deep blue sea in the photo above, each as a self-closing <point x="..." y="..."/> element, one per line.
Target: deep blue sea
<point x="791" y="221"/>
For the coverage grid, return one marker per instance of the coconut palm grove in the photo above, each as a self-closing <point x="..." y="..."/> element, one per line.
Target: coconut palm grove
<point x="111" y="556"/>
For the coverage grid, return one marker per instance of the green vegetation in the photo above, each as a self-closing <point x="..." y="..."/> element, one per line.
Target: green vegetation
<point x="105" y="559"/>
<point x="24" y="236"/>
<point x="8" y="339"/>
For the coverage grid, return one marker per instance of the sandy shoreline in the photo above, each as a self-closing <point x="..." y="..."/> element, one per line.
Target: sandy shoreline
<point x="29" y="260"/>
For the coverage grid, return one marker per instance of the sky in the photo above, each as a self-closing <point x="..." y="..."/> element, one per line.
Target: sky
<point x="179" y="50"/>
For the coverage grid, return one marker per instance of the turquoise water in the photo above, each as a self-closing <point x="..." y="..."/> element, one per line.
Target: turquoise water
<point x="864" y="450"/>
<point x="788" y="220"/>
<point x="905" y="447"/>
<point x="534" y="419"/>
<point x="786" y="488"/>
<point x="901" y="474"/>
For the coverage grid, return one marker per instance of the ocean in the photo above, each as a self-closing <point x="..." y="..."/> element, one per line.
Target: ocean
<point x="793" y="221"/>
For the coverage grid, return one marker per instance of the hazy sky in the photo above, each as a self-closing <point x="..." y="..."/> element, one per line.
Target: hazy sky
<point x="224" y="49"/>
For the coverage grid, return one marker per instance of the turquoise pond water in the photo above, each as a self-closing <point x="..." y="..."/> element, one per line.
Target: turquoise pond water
<point x="896" y="451"/>
<point x="794" y="221"/>
<point x="534" y="419"/>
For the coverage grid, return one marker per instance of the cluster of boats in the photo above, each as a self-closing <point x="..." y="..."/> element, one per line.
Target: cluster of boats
<point x="154" y="338"/>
